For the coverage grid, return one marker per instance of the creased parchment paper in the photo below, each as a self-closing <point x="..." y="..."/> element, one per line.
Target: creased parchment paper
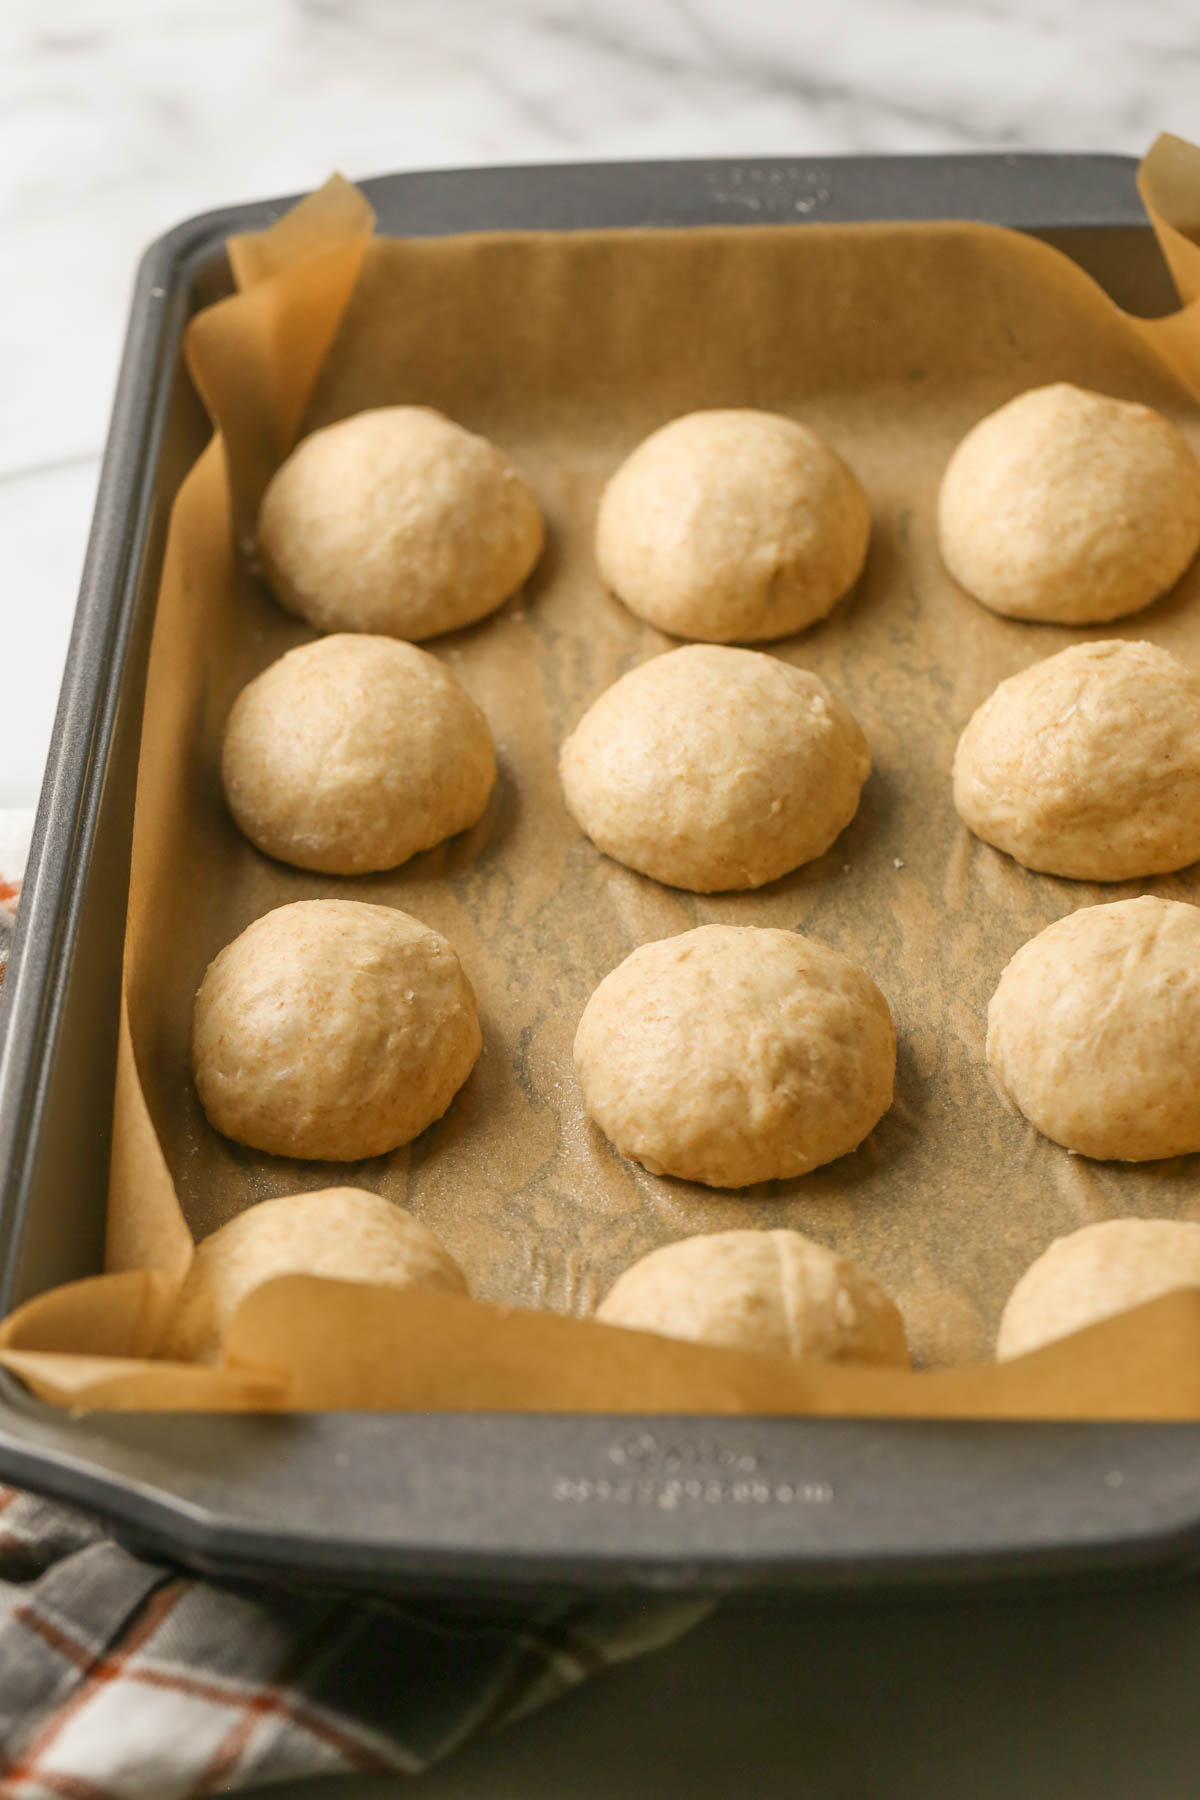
<point x="567" y="349"/>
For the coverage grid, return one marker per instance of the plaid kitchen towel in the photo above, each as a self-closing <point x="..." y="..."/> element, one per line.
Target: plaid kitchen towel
<point x="15" y="829"/>
<point x="128" y="1680"/>
<point x="122" y="1679"/>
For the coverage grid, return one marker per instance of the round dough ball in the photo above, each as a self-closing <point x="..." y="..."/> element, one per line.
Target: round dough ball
<point x="1094" y="1273"/>
<point x="397" y="520"/>
<point x="1088" y="764"/>
<point x="353" y="753"/>
<point x="332" y="1030"/>
<point x="1094" y="1030"/>
<point x="760" y="1290"/>
<point x="1070" y="506"/>
<point x="732" y="1054"/>
<point x="732" y="526"/>
<point x="711" y="768"/>
<point x="343" y="1233"/>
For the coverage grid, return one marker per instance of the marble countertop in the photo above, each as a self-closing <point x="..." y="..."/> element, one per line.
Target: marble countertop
<point x="119" y="117"/>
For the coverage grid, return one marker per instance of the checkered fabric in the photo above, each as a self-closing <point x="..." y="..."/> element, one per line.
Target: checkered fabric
<point x="122" y="1679"/>
<point x="16" y="826"/>
<point x="10" y="892"/>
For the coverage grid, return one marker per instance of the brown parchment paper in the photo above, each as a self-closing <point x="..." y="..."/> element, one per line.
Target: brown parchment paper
<point x="567" y="349"/>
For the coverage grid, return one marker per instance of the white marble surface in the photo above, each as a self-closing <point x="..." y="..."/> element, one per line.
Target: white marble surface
<point x="120" y="117"/>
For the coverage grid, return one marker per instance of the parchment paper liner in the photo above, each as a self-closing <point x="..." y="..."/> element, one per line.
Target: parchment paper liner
<point x="893" y="340"/>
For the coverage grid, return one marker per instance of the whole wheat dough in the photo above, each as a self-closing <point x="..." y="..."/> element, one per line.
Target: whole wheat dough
<point x="1094" y="1030"/>
<point x="398" y="521"/>
<point x="732" y="526"/>
<point x="344" y="1233"/>
<point x="733" y="1054"/>
<point x="1070" y="506"/>
<point x="332" y="1030"/>
<point x="760" y="1290"/>
<point x="1088" y="764"/>
<point x="710" y="768"/>
<point x="353" y="753"/>
<point x="1094" y="1273"/>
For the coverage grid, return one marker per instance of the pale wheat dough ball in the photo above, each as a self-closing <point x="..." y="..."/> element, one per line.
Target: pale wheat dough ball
<point x="343" y="1233"/>
<point x="1094" y="1030"/>
<point x="332" y="1030"/>
<point x="1088" y="764"/>
<point x="1094" y="1273"/>
<point x="760" y="1290"/>
<point x="733" y="1054"/>
<point x="710" y="768"/>
<point x="732" y="526"/>
<point x="399" y="521"/>
<point x="353" y="753"/>
<point x="1070" y="506"/>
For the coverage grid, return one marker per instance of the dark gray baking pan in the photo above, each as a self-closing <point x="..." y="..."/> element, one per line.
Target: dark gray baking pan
<point x="447" y="1500"/>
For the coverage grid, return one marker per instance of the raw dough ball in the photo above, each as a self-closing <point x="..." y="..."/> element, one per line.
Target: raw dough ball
<point x="1094" y="1030"/>
<point x="397" y="520"/>
<point x="343" y="1233"/>
<point x="1088" y="764"/>
<point x="732" y="1054"/>
<point x="711" y="768"/>
<point x="1069" y="506"/>
<point x="1094" y="1273"/>
<point x="332" y="1030"/>
<point x="353" y="753"/>
<point x="732" y="526"/>
<point x="760" y="1290"/>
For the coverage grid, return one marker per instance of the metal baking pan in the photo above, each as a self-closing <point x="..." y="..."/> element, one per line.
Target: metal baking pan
<point x="372" y="1500"/>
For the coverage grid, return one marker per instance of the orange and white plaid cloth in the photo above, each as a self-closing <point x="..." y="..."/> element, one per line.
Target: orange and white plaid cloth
<point x="122" y="1679"/>
<point x="128" y="1680"/>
